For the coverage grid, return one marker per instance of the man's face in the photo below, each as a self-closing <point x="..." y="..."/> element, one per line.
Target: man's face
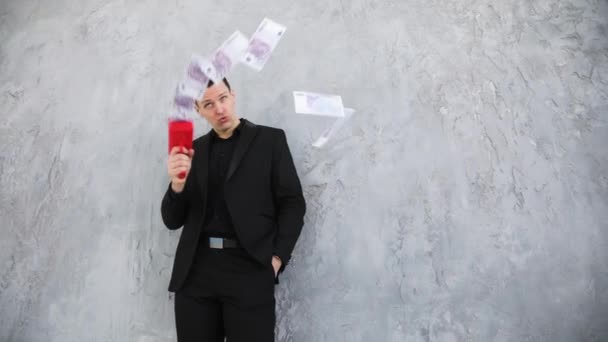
<point x="217" y="106"/>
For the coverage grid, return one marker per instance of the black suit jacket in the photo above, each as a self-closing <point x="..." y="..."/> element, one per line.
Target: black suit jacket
<point x="262" y="192"/>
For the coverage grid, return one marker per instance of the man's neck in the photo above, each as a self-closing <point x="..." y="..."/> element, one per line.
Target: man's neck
<point x="228" y="133"/>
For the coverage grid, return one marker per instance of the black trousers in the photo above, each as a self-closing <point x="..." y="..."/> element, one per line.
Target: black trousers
<point x="227" y="294"/>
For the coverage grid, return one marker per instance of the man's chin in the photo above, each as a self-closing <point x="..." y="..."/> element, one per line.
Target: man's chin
<point x="222" y="126"/>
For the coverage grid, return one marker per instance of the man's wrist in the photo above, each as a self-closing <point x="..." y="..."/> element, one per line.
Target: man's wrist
<point x="177" y="188"/>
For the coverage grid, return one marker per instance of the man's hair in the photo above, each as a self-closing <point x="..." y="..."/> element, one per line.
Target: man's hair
<point x="210" y="83"/>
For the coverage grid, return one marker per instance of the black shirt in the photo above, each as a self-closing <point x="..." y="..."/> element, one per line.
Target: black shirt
<point x="218" y="222"/>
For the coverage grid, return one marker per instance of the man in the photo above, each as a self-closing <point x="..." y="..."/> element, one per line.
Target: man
<point x="242" y="210"/>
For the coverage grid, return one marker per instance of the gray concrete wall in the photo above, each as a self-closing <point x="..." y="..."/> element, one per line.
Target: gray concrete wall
<point x="467" y="200"/>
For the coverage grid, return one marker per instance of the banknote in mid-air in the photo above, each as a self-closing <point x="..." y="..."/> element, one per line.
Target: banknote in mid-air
<point x="196" y="80"/>
<point x="229" y="54"/>
<point x="329" y="132"/>
<point x="262" y="43"/>
<point x="185" y="95"/>
<point x="318" y="104"/>
<point x="198" y="71"/>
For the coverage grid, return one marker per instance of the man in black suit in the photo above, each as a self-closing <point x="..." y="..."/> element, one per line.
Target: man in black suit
<point x="242" y="209"/>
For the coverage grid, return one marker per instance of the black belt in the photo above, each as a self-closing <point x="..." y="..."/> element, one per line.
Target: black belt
<point x="220" y="243"/>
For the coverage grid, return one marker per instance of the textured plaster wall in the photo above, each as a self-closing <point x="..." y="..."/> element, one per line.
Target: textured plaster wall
<point x="466" y="200"/>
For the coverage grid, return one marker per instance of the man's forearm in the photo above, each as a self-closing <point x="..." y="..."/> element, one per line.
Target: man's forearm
<point x="173" y="208"/>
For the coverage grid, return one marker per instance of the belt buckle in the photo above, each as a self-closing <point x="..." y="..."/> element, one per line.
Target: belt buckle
<point x="217" y="243"/>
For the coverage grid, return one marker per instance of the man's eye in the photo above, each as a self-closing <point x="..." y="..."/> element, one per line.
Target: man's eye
<point x="207" y="105"/>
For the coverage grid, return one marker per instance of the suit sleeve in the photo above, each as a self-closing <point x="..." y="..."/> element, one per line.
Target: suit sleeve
<point x="288" y="198"/>
<point x="173" y="208"/>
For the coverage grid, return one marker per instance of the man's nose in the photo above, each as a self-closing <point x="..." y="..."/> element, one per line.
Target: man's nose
<point x="219" y="109"/>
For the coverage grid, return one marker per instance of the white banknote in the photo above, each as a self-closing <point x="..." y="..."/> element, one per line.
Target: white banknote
<point x="318" y="104"/>
<point x="331" y="131"/>
<point x="185" y="94"/>
<point x="229" y="54"/>
<point x="262" y="43"/>
<point x="197" y="73"/>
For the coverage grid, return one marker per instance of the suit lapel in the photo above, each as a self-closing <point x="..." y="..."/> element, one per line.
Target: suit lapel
<point x="248" y="132"/>
<point x="203" y="164"/>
